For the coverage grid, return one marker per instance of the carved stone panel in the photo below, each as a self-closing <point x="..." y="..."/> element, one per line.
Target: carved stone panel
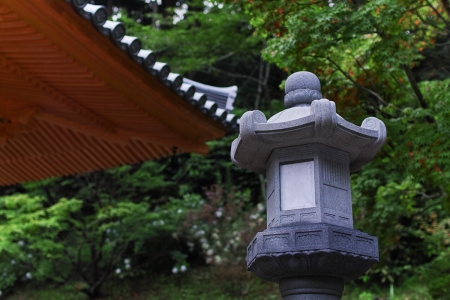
<point x="308" y="184"/>
<point x="297" y="185"/>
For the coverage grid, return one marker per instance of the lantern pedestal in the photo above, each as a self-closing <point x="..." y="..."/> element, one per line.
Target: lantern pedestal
<point x="319" y="288"/>
<point x="322" y="256"/>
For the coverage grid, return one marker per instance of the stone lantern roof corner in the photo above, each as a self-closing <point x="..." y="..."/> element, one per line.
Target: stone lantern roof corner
<point x="307" y="119"/>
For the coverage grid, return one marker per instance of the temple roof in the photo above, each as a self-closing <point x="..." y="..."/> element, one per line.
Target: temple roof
<point x="79" y="96"/>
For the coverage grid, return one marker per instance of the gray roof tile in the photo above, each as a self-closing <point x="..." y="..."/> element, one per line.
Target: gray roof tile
<point x="213" y="101"/>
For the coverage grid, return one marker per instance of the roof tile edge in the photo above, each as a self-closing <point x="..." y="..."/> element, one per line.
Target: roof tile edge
<point x="116" y="31"/>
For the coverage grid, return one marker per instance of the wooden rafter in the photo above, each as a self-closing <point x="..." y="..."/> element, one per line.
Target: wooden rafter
<point x="71" y="101"/>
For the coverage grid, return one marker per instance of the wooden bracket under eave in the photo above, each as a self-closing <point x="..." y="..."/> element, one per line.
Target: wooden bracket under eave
<point x="15" y="120"/>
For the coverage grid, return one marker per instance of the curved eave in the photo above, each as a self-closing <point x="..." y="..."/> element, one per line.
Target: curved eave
<point x="63" y="26"/>
<point x="72" y="101"/>
<point x="257" y="138"/>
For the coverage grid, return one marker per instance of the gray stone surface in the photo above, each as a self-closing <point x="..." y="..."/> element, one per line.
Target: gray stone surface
<point x="301" y="88"/>
<point x="332" y="194"/>
<point x="259" y="137"/>
<point x="317" y="288"/>
<point x="307" y="153"/>
<point x="311" y="250"/>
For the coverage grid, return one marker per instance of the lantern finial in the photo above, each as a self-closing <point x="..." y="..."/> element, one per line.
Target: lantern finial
<point x="301" y="88"/>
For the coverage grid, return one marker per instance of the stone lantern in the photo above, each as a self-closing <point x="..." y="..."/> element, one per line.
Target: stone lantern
<point x="307" y="153"/>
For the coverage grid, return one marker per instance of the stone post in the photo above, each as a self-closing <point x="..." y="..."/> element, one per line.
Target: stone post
<point x="307" y="153"/>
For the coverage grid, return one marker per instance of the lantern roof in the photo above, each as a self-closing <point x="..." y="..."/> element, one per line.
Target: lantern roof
<point x="77" y="94"/>
<point x="308" y="119"/>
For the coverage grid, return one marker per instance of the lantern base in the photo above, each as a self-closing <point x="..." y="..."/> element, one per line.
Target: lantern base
<point x="311" y="250"/>
<point x="320" y="288"/>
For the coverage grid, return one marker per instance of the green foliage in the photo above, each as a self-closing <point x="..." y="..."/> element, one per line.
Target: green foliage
<point x="436" y="273"/>
<point x="369" y="57"/>
<point x="119" y="223"/>
<point x="109" y="224"/>
<point x="227" y="283"/>
<point x="223" y="227"/>
<point x="205" y="38"/>
<point x="387" y="58"/>
<point x="212" y="43"/>
<point x="28" y="243"/>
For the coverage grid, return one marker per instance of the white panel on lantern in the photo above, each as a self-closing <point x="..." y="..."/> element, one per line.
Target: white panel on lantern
<point x="297" y="185"/>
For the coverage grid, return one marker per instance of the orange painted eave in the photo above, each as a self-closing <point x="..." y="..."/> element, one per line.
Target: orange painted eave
<point x="71" y="101"/>
<point x="77" y="36"/>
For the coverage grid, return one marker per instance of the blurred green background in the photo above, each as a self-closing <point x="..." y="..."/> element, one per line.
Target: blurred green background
<point x="178" y="227"/>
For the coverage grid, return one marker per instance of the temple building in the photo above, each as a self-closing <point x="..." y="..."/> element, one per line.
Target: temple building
<point x="77" y="94"/>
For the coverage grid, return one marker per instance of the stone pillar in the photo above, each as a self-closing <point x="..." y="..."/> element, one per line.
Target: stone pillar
<point x="307" y="153"/>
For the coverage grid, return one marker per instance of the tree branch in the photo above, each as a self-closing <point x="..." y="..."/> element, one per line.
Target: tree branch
<point x="225" y="56"/>
<point x="424" y="21"/>
<point x="438" y="13"/>
<point x="446" y="5"/>
<point x="414" y="85"/>
<point x="260" y="83"/>
<point x="362" y="88"/>
<point x="229" y="74"/>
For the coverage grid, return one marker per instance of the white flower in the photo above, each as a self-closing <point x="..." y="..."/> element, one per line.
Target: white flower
<point x="108" y="230"/>
<point x="210" y="252"/>
<point x="217" y="259"/>
<point x="200" y="233"/>
<point x="219" y="213"/>
<point x="21" y="243"/>
<point x="127" y="261"/>
<point x="127" y="266"/>
<point x="28" y="275"/>
<point x="254" y="216"/>
<point x="183" y="268"/>
<point x="175" y="270"/>
<point x="13" y="262"/>
<point x="1" y="293"/>
<point x="179" y="211"/>
<point x="260" y="207"/>
<point x="118" y="270"/>
<point x="30" y="255"/>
